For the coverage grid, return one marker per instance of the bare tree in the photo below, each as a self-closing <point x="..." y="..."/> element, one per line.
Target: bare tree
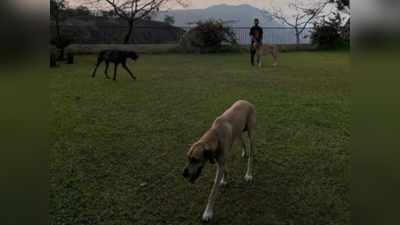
<point x="133" y="11"/>
<point x="57" y="7"/>
<point x="58" y="14"/>
<point x="299" y="15"/>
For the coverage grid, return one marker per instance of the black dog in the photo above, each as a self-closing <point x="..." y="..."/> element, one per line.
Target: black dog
<point x="117" y="57"/>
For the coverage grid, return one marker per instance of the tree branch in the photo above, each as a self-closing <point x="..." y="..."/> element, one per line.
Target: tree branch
<point x="316" y="12"/>
<point x="133" y="10"/>
<point x="117" y="9"/>
<point x="302" y="16"/>
<point x="277" y="13"/>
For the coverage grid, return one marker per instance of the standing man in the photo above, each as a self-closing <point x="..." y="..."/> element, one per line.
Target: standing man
<point x="256" y="35"/>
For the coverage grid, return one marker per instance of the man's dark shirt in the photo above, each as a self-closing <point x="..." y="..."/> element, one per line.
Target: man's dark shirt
<point x="253" y="31"/>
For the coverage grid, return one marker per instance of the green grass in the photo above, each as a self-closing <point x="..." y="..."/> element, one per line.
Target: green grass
<point x="118" y="148"/>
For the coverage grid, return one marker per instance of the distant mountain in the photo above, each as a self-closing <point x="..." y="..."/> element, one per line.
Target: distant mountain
<point x="237" y="15"/>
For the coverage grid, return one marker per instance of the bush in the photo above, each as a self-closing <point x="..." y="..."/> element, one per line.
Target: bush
<point x="327" y="35"/>
<point x="209" y="37"/>
<point x="61" y="44"/>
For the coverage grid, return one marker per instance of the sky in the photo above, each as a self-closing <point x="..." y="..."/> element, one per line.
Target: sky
<point x="269" y="5"/>
<point x="199" y="4"/>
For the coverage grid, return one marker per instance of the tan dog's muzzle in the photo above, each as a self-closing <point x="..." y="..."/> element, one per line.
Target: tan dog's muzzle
<point x="192" y="172"/>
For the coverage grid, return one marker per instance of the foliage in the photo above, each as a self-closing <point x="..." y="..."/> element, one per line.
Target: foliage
<point x="80" y="11"/>
<point x="61" y="43"/>
<point x="341" y="4"/>
<point x="169" y="20"/>
<point x="209" y="36"/>
<point x="108" y="13"/>
<point x="56" y="9"/>
<point x="327" y="35"/>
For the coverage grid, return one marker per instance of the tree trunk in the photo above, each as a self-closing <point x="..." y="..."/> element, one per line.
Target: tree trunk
<point x="58" y="29"/>
<point x="53" y="60"/>
<point x="297" y="38"/>
<point x="61" y="55"/>
<point x="59" y="39"/>
<point x="129" y="34"/>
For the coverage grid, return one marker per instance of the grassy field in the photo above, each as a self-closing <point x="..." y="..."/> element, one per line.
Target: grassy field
<point x="118" y="148"/>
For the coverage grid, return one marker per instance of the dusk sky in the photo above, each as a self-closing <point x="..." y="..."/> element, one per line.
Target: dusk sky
<point x="268" y="5"/>
<point x="195" y="4"/>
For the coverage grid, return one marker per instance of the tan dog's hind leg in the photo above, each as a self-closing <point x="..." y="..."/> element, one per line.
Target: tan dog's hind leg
<point x="209" y="211"/>
<point x="243" y="145"/>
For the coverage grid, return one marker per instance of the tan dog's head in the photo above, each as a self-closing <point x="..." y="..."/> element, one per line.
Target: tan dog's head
<point x="256" y="45"/>
<point x="198" y="155"/>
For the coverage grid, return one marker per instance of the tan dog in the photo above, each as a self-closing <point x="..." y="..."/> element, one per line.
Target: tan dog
<point x="262" y="49"/>
<point x="217" y="142"/>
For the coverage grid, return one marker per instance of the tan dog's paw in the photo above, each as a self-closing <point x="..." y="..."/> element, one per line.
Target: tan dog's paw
<point x="207" y="216"/>
<point x="248" y="178"/>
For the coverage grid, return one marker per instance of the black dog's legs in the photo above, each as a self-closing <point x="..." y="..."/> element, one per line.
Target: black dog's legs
<point x="99" y="61"/>
<point x="127" y="69"/>
<point x="106" y="70"/>
<point x="115" y="70"/>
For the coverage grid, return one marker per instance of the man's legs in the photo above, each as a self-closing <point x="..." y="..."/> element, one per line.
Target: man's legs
<point x="252" y="54"/>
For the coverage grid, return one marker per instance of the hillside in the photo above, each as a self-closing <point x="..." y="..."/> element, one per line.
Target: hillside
<point x="99" y="30"/>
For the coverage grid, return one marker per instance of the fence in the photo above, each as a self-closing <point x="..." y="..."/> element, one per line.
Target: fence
<point x="274" y="35"/>
<point x="172" y="35"/>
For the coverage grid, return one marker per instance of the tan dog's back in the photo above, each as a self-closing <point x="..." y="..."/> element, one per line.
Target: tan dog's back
<point x="239" y="108"/>
<point x="238" y="116"/>
<point x="263" y="49"/>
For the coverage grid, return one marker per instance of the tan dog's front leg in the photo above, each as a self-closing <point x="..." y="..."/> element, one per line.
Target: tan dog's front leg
<point x="209" y="211"/>
<point x="224" y="179"/>
<point x="249" y="173"/>
<point x="259" y="63"/>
